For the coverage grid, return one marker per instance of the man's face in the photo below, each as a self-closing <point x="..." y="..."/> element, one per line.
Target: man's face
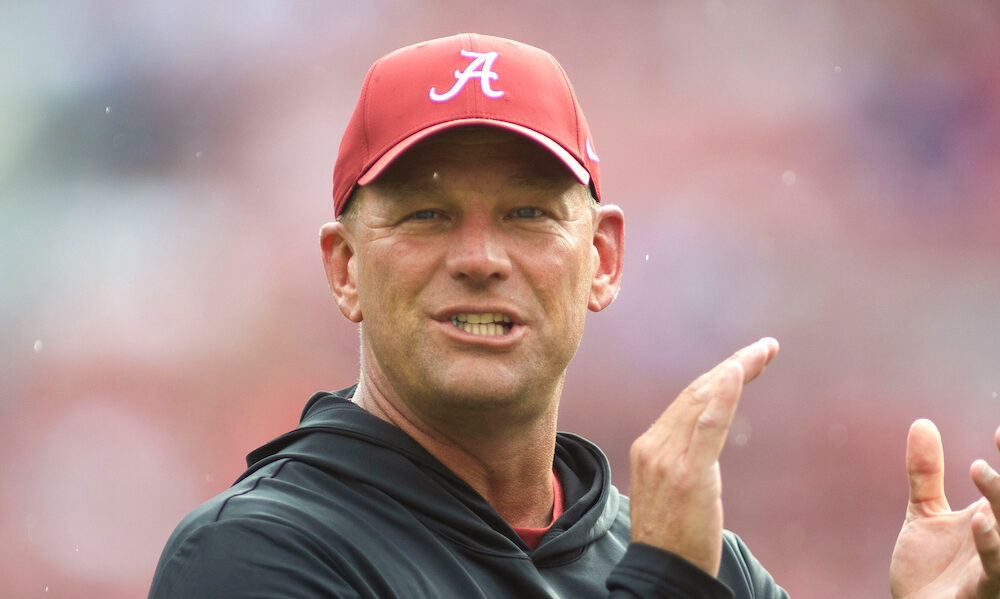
<point x="474" y="260"/>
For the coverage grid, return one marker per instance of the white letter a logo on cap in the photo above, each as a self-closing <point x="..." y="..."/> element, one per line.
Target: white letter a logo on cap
<point x="481" y="67"/>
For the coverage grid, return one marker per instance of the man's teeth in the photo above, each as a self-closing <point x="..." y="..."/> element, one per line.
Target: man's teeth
<point x="483" y="324"/>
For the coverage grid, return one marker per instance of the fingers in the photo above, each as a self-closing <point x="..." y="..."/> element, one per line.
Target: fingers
<point x="752" y="358"/>
<point x="984" y="528"/>
<point x="988" y="482"/>
<point x="725" y="388"/>
<point x="712" y="425"/>
<point x="984" y="533"/>
<point x="706" y="407"/>
<point x="757" y="360"/>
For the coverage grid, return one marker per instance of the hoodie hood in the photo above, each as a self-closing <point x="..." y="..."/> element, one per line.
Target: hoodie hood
<point x="342" y="439"/>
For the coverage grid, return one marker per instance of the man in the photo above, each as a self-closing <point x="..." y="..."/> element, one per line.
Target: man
<point x="471" y="240"/>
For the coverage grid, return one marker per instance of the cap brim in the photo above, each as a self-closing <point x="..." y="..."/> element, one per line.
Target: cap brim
<point x="578" y="170"/>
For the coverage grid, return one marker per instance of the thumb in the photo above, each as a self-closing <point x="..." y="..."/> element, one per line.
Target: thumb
<point x="925" y="468"/>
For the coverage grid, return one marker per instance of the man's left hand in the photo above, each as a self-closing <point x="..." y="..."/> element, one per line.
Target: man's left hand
<point x="941" y="554"/>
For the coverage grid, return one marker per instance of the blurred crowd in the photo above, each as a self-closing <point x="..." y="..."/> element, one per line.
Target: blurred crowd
<point x="827" y="173"/>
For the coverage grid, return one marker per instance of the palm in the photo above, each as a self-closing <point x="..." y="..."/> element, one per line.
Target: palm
<point x="935" y="556"/>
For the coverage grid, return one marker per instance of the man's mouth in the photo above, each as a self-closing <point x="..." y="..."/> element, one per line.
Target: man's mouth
<point x="483" y="324"/>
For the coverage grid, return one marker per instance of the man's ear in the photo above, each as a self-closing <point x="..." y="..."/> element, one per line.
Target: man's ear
<point x="609" y="250"/>
<point x="341" y="272"/>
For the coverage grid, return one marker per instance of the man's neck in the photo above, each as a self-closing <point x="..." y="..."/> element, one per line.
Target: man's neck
<point x="509" y="464"/>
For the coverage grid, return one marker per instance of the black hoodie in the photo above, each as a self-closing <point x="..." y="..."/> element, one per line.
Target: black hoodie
<point x="347" y="505"/>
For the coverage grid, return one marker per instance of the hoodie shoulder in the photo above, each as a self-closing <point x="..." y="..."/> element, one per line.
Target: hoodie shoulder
<point x="328" y="415"/>
<point x="245" y="557"/>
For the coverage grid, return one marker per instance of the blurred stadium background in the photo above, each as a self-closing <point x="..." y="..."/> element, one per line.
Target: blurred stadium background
<point x="825" y="172"/>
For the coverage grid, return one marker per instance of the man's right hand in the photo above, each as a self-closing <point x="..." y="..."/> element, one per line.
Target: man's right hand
<point x="676" y="489"/>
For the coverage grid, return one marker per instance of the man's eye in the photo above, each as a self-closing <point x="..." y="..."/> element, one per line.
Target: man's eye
<point x="424" y="215"/>
<point x="527" y="212"/>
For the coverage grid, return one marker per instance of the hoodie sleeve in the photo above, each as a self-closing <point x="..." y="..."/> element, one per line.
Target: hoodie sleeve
<point x="744" y="574"/>
<point x="649" y="572"/>
<point x="243" y="559"/>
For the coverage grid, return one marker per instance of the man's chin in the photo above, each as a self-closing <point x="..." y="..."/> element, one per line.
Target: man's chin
<point x="484" y="392"/>
<point x="478" y="393"/>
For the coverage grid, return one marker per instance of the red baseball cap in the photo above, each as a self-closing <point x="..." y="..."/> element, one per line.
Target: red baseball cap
<point x="466" y="79"/>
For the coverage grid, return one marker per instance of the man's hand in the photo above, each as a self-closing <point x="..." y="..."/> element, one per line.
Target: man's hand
<point x="676" y="488"/>
<point x="941" y="553"/>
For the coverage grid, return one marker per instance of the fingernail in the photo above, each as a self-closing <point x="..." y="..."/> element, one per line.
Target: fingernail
<point x="987" y="473"/>
<point x="985" y="525"/>
<point x="766" y="343"/>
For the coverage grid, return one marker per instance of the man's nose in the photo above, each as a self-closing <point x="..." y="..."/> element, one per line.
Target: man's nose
<point x="478" y="253"/>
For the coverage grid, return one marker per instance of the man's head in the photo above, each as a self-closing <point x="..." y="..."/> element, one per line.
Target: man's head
<point x="462" y="80"/>
<point x="472" y="255"/>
